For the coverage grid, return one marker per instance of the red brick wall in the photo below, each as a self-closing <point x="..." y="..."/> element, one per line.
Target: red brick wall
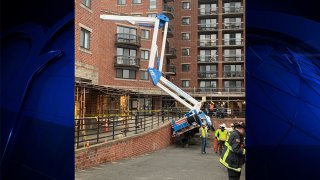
<point x="124" y="148"/>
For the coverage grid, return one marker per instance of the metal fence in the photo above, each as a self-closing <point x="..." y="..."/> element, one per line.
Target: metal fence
<point x="94" y="130"/>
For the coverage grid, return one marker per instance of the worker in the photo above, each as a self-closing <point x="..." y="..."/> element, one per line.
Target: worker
<point x="203" y="130"/>
<point x="233" y="156"/>
<point x="221" y="135"/>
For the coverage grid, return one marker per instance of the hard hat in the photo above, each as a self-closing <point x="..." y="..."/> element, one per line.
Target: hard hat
<point x="223" y="125"/>
<point x="231" y="124"/>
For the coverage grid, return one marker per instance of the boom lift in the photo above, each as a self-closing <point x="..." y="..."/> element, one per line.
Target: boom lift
<point x="194" y="118"/>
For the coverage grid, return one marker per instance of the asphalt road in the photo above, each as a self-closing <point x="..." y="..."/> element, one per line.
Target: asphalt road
<point x="172" y="163"/>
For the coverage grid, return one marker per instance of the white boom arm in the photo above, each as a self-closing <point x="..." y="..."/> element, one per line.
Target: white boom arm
<point x="156" y="73"/>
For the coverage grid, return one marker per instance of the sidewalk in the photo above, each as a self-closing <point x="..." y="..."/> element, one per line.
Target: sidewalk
<point x="172" y="163"/>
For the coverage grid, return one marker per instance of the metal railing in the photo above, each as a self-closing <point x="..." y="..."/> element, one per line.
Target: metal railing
<point x="207" y="74"/>
<point x="233" y="42"/>
<point x="233" y="58"/>
<point x="207" y="43"/>
<point x="233" y="25"/>
<point x="207" y="58"/>
<point x="233" y="73"/>
<point x="125" y="38"/>
<point x="170" y="52"/>
<point x="208" y="27"/>
<point x="233" y="10"/>
<point x="208" y="11"/>
<point x="168" y="10"/>
<point x="170" y="68"/>
<point x="213" y="90"/>
<point x="126" y="61"/>
<point x="95" y="130"/>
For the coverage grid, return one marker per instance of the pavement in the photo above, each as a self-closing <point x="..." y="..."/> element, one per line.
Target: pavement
<point x="171" y="163"/>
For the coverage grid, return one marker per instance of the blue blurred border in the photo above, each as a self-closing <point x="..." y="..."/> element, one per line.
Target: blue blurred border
<point x="37" y="89"/>
<point x="283" y="90"/>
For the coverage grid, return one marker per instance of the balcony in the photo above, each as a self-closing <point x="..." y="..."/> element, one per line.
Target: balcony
<point x="208" y="1"/>
<point x="207" y="74"/>
<point x="217" y="92"/>
<point x="233" y="74"/>
<point x="171" y="53"/>
<point x="208" y="11"/>
<point x="207" y="43"/>
<point x="233" y="58"/>
<point x="168" y="11"/>
<point x="170" y="32"/>
<point x="127" y="40"/>
<point x="127" y="61"/>
<point x="207" y="59"/>
<point x="236" y="42"/>
<point x="233" y="26"/>
<point x="170" y="69"/>
<point x="233" y="10"/>
<point x="208" y="27"/>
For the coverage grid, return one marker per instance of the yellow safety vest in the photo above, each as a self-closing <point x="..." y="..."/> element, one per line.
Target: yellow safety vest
<point x="221" y="135"/>
<point x="203" y="131"/>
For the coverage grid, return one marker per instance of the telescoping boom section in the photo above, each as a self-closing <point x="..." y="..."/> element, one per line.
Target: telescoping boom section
<point x="195" y="117"/>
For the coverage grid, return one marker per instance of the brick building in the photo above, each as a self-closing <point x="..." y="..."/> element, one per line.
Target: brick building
<point x="205" y="53"/>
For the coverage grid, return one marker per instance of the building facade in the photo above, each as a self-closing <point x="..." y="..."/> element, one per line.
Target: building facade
<point x="205" y="53"/>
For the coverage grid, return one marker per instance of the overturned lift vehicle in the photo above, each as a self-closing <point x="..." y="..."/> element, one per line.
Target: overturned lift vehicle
<point x="192" y="120"/>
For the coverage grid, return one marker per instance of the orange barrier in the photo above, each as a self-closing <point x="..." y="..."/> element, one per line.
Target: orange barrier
<point x="215" y="144"/>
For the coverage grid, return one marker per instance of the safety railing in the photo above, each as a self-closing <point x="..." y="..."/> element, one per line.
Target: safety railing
<point x="207" y="74"/>
<point x="233" y="25"/>
<point x="233" y="42"/>
<point x="207" y="58"/>
<point x="208" y="27"/>
<point x="207" y="43"/>
<point x="208" y="11"/>
<point x="126" y="61"/>
<point x="233" y="58"/>
<point x="99" y="129"/>
<point x="128" y="39"/>
<point x="232" y="74"/>
<point x="233" y="9"/>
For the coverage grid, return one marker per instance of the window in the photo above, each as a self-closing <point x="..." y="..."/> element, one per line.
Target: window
<point x="232" y="39"/>
<point x="121" y="2"/>
<point x="126" y="74"/>
<point x="185" y="36"/>
<point x="185" y="67"/>
<point x="208" y="24"/>
<point x="207" y="71"/>
<point x="208" y="55"/>
<point x="207" y="86"/>
<point x="232" y="55"/>
<point x="85" y="38"/>
<point x="126" y="30"/>
<point x="185" y="51"/>
<point x="185" y="21"/>
<point x="145" y="34"/>
<point x="153" y="4"/>
<point x="136" y="1"/>
<point x="185" y="5"/>
<point x="208" y="9"/>
<point x="232" y="86"/>
<point x="87" y="3"/>
<point x="144" y="75"/>
<point x="185" y="83"/>
<point x="207" y="40"/>
<point x="127" y="56"/>
<point x="152" y="15"/>
<point x="232" y="23"/>
<point x="232" y="71"/>
<point x="145" y="54"/>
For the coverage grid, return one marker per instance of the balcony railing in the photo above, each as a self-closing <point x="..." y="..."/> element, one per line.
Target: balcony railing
<point x="207" y="74"/>
<point x="233" y="42"/>
<point x="171" y="53"/>
<point x="207" y="58"/>
<point x="208" y="11"/>
<point x="170" y="32"/>
<point x="232" y="74"/>
<point x="168" y="11"/>
<point x="233" y="10"/>
<point x="127" y="61"/>
<point x="207" y="43"/>
<point x="214" y="90"/>
<point x="170" y="69"/>
<point x="128" y="39"/>
<point x="207" y="27"/>
<point x="233" y="58"/>
<point x="233" y="25"/>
